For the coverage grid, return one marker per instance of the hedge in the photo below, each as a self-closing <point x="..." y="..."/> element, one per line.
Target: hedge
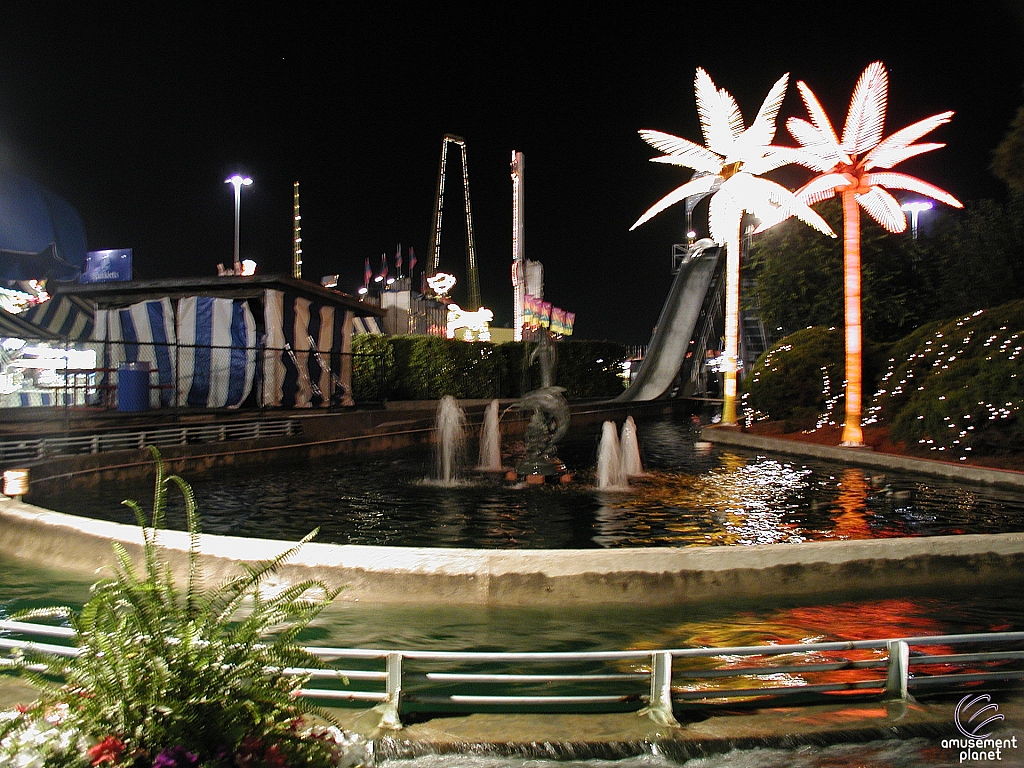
<point x="429" y="367"/>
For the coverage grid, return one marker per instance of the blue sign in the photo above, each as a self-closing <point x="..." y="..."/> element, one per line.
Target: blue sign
<point x="107" y="266"/>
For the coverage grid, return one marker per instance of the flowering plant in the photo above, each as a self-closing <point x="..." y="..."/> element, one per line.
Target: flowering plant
<point x="173" y="677"/>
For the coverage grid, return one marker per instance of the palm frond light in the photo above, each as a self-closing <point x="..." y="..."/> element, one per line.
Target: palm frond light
<point x="857" y="168"/>
<point x="727" y="168"/>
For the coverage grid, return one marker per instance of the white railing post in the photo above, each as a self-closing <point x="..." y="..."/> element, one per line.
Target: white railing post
<point x="389" y="710"/>
<point x="898" y="670"/>
<point x="659" y="708"/>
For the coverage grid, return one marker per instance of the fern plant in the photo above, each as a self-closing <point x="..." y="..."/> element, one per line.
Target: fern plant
<point x="202" y="671"/>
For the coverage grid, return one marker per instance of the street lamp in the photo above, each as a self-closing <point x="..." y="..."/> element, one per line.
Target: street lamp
<point x="238" y="182"/>
<point x="914" y="209"/>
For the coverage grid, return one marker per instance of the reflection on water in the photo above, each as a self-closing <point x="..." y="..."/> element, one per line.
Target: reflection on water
<point x="573" y="628"/>
<point x="689" y="497"/>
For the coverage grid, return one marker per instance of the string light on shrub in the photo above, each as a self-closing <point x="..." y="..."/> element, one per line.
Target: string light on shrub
<point x="937" y="356"/>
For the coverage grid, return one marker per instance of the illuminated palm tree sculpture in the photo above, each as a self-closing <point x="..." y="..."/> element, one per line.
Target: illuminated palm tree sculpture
<point x="728" y="168"/>
<point x="848" y="168"/>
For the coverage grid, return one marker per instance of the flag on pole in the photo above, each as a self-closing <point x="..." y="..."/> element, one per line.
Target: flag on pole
<point x="412" y="260"/>
<point x="367" y="273"/>
<point x="398" y="259"/>
<point x="383" y="267"/>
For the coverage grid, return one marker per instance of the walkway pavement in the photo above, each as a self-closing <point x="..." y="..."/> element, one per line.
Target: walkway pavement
<point x="864" y="457"/>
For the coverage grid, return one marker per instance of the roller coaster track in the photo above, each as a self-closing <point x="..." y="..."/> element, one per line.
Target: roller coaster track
<point x="472" y="275"/>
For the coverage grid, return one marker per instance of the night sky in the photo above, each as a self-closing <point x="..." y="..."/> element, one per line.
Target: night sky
<point x="137" y="118"/>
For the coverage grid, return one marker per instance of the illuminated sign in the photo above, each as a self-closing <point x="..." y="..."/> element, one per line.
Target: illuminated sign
<point x="107" y="266"/>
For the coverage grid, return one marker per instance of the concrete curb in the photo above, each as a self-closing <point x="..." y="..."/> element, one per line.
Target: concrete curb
<point x="865" y="457"/>
<point x="652" y="576"/>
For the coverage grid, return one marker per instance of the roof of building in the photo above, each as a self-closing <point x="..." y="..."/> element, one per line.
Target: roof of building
<point x="125" y="293"/>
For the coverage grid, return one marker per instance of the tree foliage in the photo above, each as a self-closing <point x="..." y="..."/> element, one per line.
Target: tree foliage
<point x="972" y="259"/>
<point x="1008" y="157"/>
<point x="976" y="258"/>
<point x="799" y="277"/>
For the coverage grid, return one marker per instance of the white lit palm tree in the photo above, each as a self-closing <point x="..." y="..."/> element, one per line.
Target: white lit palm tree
<point x="728" y="168"/>
<point x="857" y="169"/>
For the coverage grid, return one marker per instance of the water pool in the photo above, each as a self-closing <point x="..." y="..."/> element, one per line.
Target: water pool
<point x="691" y="497"/>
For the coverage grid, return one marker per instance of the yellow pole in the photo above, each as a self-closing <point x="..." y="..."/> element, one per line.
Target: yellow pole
<point x="732" y="323"/>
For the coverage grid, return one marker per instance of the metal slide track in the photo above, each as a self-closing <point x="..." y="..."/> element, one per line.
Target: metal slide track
<point x="676" y="326"/>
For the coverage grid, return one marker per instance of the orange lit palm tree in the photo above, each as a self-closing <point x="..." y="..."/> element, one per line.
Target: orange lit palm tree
<point x="857" y="169"/>
<point x="728" y="168"/>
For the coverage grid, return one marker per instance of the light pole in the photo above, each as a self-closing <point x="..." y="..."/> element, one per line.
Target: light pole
<point x="915" y="209"/>
<point x="238" y="182"/>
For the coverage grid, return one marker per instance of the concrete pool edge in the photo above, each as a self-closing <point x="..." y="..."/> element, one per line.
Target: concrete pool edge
<point x="651" y="577"/>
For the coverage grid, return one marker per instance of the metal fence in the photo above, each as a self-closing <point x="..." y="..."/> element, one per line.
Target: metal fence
<point x="655" y="682"/>
<point x="32" y="448"/>
<point x="181" y="375"/>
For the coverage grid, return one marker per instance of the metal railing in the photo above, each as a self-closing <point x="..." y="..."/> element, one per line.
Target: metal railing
<point x="653" y="682"/>
<point x="30" y="449"/>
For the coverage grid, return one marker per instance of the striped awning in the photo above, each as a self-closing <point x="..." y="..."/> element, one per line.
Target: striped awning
<point x="367" y="324"/>
<point x="17" y="327"/>
<point x="66" y="316"/>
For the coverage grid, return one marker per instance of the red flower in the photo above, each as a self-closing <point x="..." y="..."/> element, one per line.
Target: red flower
<point x="274" y="758"/>
<point x="107" y="751"/>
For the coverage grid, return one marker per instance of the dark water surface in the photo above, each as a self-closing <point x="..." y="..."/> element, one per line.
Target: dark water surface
<point x="691" y="497"/>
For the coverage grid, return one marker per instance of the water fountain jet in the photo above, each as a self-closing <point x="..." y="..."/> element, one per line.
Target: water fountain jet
<point x="449" y="441"/>
<point x="629" y="448"/>
<point x="609" y="460"/>
<point x="490" y="441"/>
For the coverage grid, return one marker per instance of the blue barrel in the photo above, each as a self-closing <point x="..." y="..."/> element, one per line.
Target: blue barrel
<point x="133" y="387"/>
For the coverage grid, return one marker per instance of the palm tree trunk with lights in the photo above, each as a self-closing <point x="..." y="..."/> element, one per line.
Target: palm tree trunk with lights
<point x="729" y="169"/>
<point x="847" y="168"/>
<point x="732" y="315"/>
<point x="852" y="434"/>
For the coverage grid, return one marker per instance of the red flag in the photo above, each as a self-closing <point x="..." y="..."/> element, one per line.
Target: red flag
<point x="412" y="260"/>
<point x="367" y="273"/>
<point x="398" y="259"/>
<point x="383" y="267"/>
